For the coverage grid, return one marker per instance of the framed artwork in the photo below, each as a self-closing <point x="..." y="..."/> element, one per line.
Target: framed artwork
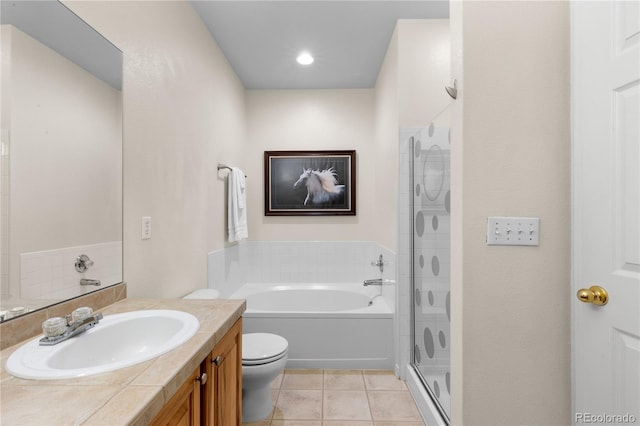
<point x="304" y="183"/>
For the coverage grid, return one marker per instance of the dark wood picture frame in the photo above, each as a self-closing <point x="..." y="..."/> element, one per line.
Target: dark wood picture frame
<point x="309" y="183"/>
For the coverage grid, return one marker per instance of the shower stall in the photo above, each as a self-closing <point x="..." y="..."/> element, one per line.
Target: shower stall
<point x="424" y="265"/>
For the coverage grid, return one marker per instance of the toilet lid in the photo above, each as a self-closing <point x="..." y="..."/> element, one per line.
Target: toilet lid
<point x="260" y="348"/>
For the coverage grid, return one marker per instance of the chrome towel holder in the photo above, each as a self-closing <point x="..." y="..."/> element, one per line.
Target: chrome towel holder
<point x="224" y="166"/>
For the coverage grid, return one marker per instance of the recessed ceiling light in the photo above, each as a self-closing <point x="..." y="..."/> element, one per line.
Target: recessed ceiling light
<point x="304" y="59"/>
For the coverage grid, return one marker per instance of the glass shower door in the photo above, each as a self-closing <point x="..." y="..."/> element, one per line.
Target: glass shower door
<point x="431" y="259"/>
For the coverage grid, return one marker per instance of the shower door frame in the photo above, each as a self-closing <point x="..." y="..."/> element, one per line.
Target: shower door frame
<point x="412" y="360"/>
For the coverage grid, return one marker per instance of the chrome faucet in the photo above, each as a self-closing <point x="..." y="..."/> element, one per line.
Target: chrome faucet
<point x="379" y="263"/>
<point x="377" y="281"/>
<point x="83" y="262"/>
<point x="73" y="329"/>
<point x="87" y="281"/>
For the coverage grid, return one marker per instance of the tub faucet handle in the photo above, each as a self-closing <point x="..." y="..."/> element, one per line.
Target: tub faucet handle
<point x="379" y="263"/>
<point x="83" y="262"/>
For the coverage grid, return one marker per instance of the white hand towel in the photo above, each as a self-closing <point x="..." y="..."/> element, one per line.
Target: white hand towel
<point x="237" y="206"/>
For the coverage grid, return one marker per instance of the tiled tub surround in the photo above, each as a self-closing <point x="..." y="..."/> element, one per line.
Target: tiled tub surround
<point x="51" y="274"/>
<point x="269" y="262"/>
<point x="46" y="277"/>
<point x="132" y="395"/>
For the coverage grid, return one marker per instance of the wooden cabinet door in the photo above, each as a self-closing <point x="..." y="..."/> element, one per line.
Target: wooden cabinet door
<point x="184" y="407"/>
<point x="223" y="398"/>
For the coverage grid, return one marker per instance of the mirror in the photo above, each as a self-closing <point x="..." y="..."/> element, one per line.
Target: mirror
<point x="61" y="158"/>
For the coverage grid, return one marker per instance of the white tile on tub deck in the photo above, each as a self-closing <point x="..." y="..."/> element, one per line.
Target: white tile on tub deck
<point x="301" y="262"/>
<point x="325" y="275"/>
<point x="29" y="263"/>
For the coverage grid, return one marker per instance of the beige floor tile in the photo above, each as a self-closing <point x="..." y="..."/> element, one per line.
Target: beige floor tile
<point x="343" y="380"/>
<point x="260" y="423"/>
<point x="277" y="382"/>
<point x="383" y="380"/>
<point x="302" y="379"/>
<point x="299" y="405"/>
<point x="393" y="405"/>
<point x="399" y="424"/>
<point x="296" y="423"/>
<point x="345" y="405"/>
<point x="274" y="396"/>
<point x="345" y="423"/>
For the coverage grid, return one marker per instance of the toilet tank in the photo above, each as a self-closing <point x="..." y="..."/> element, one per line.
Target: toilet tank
<point x="203" y="293"/>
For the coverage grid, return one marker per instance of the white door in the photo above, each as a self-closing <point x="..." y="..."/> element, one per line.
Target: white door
<point x="606" y="217"/>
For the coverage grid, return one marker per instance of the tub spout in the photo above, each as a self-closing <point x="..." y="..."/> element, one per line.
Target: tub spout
<point x="377" y="281"/>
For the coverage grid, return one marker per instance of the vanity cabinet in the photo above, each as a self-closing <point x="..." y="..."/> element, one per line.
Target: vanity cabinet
<point x="184" y="408"/>
<point x="222" y="397"/>
<point x="216" y="400"/>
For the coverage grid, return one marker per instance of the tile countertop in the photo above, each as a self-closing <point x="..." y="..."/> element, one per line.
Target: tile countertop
<point x="129" y="396"/>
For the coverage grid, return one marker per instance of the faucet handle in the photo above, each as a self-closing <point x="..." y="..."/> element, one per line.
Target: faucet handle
<point x="54" y="326"/>
<point x="83" y="262"/>
<point x="81" y="313"/>
<point x="379" y="263"/>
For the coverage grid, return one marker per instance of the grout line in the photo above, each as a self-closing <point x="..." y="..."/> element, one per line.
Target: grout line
<point x="323" y="372"/>
<point x="322" y="398"/>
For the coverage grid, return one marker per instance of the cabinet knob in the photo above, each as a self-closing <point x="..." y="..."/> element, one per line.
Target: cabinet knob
<point x="202" y="378"/>
<point x="217" y="360"/>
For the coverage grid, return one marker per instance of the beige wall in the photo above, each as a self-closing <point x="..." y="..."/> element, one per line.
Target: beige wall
<point x="424" y="64"/>
<point x="386" y="131"/>
<point x="183" y="113"/>
<point x="311" y="120"/>
<point x="513" y="323"/>
<point x="457" y="234"/>
<point x="65" y="178"/>
<point x="409" y="93"/>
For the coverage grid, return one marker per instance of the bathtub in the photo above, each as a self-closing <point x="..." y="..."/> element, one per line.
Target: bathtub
<point x="330" y="326"/>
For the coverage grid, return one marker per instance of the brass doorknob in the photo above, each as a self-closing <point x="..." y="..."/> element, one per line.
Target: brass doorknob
<point x="595" y="294"/>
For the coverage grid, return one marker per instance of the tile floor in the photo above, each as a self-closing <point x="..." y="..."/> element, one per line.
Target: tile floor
<point x="340" y="398"/>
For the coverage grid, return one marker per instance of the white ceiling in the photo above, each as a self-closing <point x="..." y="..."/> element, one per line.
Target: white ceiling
<point x="348" y="39"/>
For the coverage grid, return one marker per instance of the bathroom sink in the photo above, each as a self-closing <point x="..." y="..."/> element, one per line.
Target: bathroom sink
<point x="117" y="341"/>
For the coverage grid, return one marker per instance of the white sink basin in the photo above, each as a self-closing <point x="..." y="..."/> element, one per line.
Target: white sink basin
<point x="118" y="341"/>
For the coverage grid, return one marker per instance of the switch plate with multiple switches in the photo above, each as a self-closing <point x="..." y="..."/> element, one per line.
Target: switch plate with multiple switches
<point x="513" y="231"/>
<point x="146" y="228"/>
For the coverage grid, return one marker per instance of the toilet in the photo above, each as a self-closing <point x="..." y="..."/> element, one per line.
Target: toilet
<point x="264" y="356"/>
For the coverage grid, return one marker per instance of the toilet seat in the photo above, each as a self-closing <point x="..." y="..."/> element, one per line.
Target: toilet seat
<point x="262" y="348"/>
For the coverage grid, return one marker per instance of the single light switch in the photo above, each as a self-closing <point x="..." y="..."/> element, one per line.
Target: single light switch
<point x="513" y="231"/>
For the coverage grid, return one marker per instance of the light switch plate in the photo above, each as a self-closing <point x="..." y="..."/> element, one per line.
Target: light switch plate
<point x="513" y="231"/>
<point x="146" y="228"/>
